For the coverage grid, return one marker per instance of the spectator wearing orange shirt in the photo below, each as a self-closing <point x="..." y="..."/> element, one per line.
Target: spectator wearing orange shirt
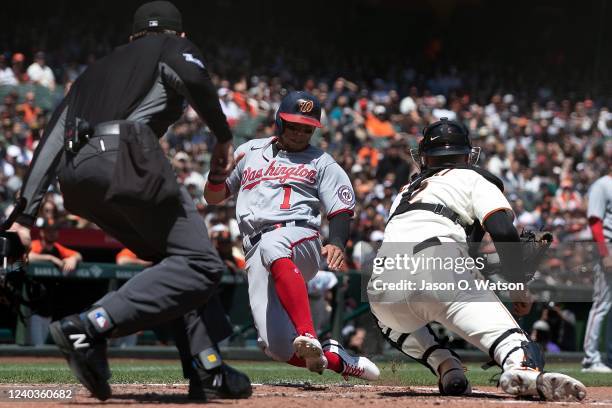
<point x="127" y="257"/>
<point x="377" y="124"/>
<point x="29" y="109"/>
<point x="48" y="249"/>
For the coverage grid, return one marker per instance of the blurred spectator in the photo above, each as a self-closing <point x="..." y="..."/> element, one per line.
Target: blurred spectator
<point x="40" y="73"/>
<point x="231" y="255"/>
<point x="47" y="249"/>
<point x="540" y="333"/>
<point x="320" y="295"/>
<point x="29" y="110"/>
<point x="378" y="124"/>
<point x="17" y="64"/>
<point x="127" y="257"/>
<point x="7" y="76"/>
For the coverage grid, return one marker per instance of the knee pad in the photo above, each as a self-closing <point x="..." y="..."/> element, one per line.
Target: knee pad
<point x="276" y="350"/>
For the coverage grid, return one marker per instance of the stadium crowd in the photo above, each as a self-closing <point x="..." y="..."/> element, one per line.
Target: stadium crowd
<point x="544" y="132"/>
<point x="546" y="150"/>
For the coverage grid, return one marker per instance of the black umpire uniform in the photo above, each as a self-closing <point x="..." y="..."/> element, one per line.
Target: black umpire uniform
<point x="102" y="144"/>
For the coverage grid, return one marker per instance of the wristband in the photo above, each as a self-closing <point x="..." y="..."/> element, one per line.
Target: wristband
<point x="215" y="187"/>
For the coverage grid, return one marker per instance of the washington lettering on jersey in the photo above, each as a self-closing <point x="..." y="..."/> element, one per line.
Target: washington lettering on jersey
<point x="252" y="177"/>
<point x="272" y="187"/>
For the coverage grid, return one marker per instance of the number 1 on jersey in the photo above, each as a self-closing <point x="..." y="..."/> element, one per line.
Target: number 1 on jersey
<point x="285" y="205"/>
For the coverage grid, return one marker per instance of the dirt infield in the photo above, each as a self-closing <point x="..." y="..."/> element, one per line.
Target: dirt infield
<point x="284" y="396"/>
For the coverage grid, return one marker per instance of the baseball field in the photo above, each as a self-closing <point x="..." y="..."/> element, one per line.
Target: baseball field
<point x="154" y="382"/>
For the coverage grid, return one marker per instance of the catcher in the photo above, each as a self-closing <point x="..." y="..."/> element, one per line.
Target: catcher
<point x="446" y="203"/>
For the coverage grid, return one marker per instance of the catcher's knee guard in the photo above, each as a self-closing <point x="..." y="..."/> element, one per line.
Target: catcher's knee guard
<point x="533" y="355"/>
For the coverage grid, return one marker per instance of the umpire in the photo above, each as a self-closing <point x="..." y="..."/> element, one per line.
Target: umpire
<point x="102" y="145"/>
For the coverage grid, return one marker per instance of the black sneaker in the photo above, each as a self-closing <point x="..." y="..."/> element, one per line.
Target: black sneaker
<point x="86" y="356"/>
<point x="223" y="382"/>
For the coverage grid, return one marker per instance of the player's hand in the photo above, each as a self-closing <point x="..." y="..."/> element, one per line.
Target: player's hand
<point x="70" y="265"/>
<point x="221" y="162"/>
<point x="334" y="255"/>
<point x="521" y="302"/>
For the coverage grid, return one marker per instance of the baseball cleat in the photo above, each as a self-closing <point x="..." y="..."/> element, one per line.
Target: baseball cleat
<point x="222" y="382"/>
<point x="549" y="386"/>
<point x="599" y="368"/>
<point x="358" y="367"/>
<point x="454" y="382"/>
<point x="86" y="356"/>
<point x="306" y="346"/>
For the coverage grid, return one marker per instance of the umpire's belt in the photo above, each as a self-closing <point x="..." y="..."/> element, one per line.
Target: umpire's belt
<point x="256" y="237"/>
<point x="110" y="129"/>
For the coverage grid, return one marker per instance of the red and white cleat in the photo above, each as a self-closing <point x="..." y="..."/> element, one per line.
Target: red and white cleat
<point x="358" y="367"/>
<point x="306" y="346"/>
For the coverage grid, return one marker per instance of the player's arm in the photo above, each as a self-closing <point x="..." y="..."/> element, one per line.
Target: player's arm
<point x="182" y="68"/>
<point x="494" y="212"/>
<point x="596" y="212"/>
<point x="338" y="198"/>
<point x="339" y="229"/>
<point x="215" y="192"/>
<point x="507" y="243"/>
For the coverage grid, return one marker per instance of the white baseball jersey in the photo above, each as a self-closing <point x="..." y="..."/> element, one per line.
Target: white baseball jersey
<point x="288" y="186"/>
<point x="464" y="191"/>
<point x="479" y="317"/>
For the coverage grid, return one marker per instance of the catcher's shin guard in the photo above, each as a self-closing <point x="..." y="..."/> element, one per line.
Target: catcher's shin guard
<point x="533" y="355"/>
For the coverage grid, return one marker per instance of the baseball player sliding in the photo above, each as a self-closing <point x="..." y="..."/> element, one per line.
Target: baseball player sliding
<point x="432" y="214"/>
<point x="280" y="184"/>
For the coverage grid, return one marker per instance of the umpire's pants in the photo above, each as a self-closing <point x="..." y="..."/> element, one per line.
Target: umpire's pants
<point x="186" y="270"/>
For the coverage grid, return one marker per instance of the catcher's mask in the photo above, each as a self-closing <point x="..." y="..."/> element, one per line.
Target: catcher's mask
<point x="298" y="107"/>
<point x="445" y="138"/>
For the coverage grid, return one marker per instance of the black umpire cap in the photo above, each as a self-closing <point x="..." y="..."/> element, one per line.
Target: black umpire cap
<point x="445" y="137"/>
<point x="157" y="15"/>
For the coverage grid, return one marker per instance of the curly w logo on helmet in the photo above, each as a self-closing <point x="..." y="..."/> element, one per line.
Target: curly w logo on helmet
<point x="305" y="106"/>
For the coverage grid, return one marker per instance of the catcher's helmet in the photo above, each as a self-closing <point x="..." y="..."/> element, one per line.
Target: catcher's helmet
<point x="299" y="107"/>
<point x="444" y="138"/>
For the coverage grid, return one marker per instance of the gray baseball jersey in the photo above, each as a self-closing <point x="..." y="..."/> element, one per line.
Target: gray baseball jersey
<point x="600" y="203"/>
<point x="287" y="186"/>
<point x="600" y="206"/>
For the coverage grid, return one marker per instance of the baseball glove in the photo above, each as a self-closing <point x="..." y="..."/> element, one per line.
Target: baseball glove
<point x="534" y="245"/>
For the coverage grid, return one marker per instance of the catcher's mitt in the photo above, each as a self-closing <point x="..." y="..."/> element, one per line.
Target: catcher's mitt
<point x="534" y="246"/>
